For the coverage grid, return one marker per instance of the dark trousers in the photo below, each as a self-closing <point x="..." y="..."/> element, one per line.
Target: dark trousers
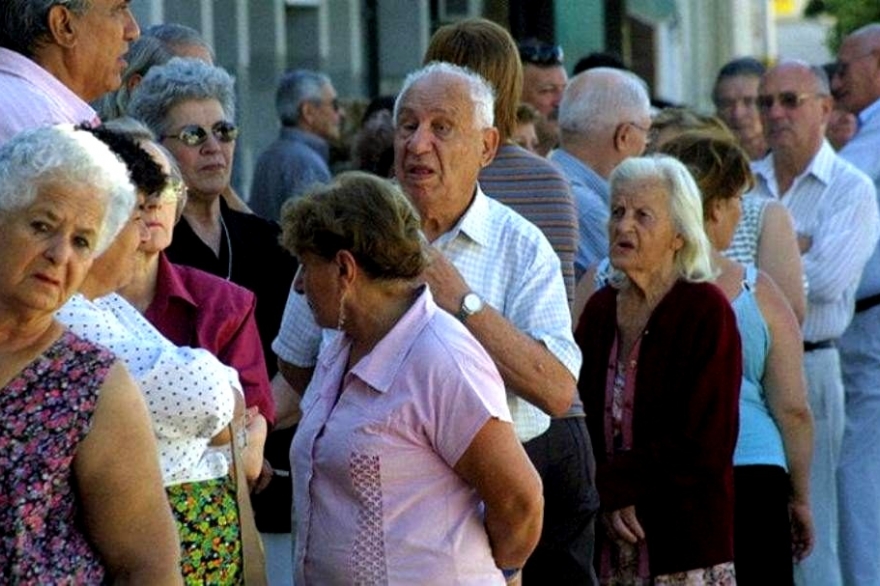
<point x="563" y="456"/>
<point x="762" y="532"/>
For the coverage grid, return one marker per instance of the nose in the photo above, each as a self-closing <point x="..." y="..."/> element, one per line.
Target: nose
<point x="59" y="250"/>
<point x="298" y="281"/>
<point x="132" y="30"/>
<point x="211" y="145"/>
<point x="420" y="140"/>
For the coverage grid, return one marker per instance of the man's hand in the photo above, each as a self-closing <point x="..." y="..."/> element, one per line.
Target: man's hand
<point x="447" y="285"/>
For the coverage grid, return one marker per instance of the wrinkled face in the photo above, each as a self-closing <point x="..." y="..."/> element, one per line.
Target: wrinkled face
<point x="438" y="150"/>
<point x="159" y="213"/>
<point x="796" y="128"/>
<point x="856" y="82"/>
<point x="526" y="136"/>
<point x="114" y="269"/>
<point x="326" y="114"/>
<point x="318" y="279"/>
<point x="207" y="167"/>
<point x="103" y="32"/>
<point x="48" y="247"/>
<point x="736" y="104"/>
<point x="543" y="87"/>
<point x="641" y="233"/>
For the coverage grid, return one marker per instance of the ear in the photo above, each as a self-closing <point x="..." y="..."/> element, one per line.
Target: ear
<point x="713" y="213"/>
<point x="133" y="81"/>
<point x="621" y="137"/>
<point x="827" y="105"/>
<point x="491" y="139"/>
<point x="348" y="267"/>
<point x="62" y="26"/>
<point x="307" y="113"/>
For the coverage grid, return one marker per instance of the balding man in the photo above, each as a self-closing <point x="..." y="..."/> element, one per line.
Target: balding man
<point x="856" y="86"/>
<point x="491" y="268"/>
<point x="604" y="117"/>
<point x="835" y="213"/>
<point x="58" y="55"/>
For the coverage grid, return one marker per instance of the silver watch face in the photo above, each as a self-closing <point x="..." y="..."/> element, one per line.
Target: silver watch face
<point x="471" y="303"/>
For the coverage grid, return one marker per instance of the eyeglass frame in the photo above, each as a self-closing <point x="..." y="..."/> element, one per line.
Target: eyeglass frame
<point x="787" y="100"/>
<point x="223" y="131"/>
<point x="541" y="54"/>
<point x="173" y="191"/>
<point x="334" y="103"/>
<point x="841" y="68"/>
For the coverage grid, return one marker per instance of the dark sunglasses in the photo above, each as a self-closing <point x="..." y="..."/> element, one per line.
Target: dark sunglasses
<point x="541" y="54"/>
<point x="788" y="100"/>
<point x="195" y="135"/>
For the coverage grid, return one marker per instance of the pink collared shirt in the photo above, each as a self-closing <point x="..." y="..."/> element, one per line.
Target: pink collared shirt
<point x="377" y="499"/>
<point x="31" y="97"/>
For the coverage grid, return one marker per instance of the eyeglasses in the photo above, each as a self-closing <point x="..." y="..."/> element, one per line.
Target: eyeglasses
<point x="649" y="132"/>
<point x="195" y="135"/>
<point x="174" y="190"/>
<point x="841" y="68"/>
<point x="541" y="54"/>
<point x="788" y="100"/>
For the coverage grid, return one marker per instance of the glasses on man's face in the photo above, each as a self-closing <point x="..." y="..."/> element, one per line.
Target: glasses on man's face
<point x="788" y="100"/>
<point x="541" y="54"/>
<point x="195" y="135"/>
<point x="841" y="68"/>
<point x="334" y="103"/>
<point x="649" y="132"/>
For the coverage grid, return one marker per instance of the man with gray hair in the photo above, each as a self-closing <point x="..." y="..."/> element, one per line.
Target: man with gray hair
<point x="604" y="118"/>
<point x="58" y="55"/>
<point x="310" y="116"/>
<point x="856" y="87"/>
<point x="834" y="208"/>
<point x="491" y="268"/>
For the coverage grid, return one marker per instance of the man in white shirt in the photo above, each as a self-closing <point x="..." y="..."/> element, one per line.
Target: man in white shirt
<point x="490" y="267"/>
<point x="55" y="56"/>
<point x="856" y="86"/>
<point x="836" y="218"/>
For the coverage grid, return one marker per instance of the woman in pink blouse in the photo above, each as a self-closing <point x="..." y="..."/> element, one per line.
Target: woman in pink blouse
<point x="406" y="466"/>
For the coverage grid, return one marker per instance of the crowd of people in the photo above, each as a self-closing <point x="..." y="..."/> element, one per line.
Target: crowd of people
<point x="547" y="330"/>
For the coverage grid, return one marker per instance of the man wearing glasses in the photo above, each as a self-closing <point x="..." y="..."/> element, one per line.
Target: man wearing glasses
<point x="58" y="55"/>
<point x="544" y="80"/>
<point x="835" y="213"/>
<point x="310" y="117"/>
<point x="605" y="117"/>
<point x="856" y="86"/>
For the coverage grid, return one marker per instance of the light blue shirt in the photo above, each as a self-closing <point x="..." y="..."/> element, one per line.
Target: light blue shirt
<point x="592" y="196"/>
<point x="863" y="151"/>
<point x="508" y="262"/>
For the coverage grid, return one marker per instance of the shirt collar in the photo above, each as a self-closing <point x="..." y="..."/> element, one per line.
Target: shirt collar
<point x="169" y="283"/>
<point x="311" y="140"/>
<point x="868" y="113"/>
<point x="819" y="167"/>
<point x="379" y="368"/>
<point x="474" y="223"/>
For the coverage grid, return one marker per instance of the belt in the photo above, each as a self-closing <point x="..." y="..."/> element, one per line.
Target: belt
<point x="867" y="303"/>
<point x="820" y="345"/>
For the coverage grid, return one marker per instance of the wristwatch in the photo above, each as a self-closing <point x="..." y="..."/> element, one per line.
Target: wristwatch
<point x="470" y="304"/>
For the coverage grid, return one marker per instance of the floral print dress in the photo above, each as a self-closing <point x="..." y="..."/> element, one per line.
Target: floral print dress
<point x="45" y="412"/>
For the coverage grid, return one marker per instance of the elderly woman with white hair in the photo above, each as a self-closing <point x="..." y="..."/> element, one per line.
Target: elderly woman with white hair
<point x="81" y="497"/>
<point x="190" y="106"/>
<point x="660" y="383"/>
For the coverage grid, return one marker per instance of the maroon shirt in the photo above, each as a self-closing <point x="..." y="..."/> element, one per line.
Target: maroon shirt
<point x="194" y="308"/>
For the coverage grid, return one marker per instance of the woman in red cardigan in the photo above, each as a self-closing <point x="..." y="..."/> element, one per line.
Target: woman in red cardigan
<point x="660" y="383"/>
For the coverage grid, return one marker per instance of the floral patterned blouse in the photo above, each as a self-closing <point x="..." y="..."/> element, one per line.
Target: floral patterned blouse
<point x="45" y="412"/>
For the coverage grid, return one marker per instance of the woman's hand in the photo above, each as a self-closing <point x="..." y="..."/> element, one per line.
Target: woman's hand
<point x="623" y="525"/>
<point x="252" y="454"/>
<point x="802" y="533"/>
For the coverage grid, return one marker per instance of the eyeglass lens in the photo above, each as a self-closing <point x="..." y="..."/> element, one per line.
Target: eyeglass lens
<point x="788" y="100"/>
<point x="194" y="135"/>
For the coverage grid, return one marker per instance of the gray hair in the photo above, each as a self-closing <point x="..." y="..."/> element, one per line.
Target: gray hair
<point x="180" y="80"/>
<point x="138" y="132"/>
<point x="481" y="93"/>
<point x="599" y="99"/>
<point x="693" y="261"/>
<point x="143" y="54"/>
<point x="176" y="36"/>
<point x="64" y="157"/>
<point x="24" y="24"/>
<point x="296" y="88"/>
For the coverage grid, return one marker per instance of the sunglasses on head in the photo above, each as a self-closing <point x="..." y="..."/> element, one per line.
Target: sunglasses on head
<point x="541" y="54"/>
<point x="788" y="100"/>
<point x="195" y="135"/>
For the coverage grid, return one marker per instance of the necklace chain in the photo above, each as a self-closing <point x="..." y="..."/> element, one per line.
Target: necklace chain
<point x="228" y="247"/>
